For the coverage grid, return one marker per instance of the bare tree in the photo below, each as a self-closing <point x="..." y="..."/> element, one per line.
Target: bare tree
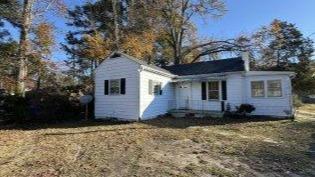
<point x="32" y="9"/>
<point x="116" y="24"/>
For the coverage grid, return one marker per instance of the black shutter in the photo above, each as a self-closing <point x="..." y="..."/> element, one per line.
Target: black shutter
<point x="204" y="91"/>
<point x="106" y="87"/>
<point x="223" y="86"/>
<point x="222" y="106"/>
<point x="160" y="87"/>
<point x="122" y="86"/>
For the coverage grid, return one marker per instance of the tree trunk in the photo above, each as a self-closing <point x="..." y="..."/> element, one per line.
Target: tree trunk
<point x="116" y="24"/>
<point x="39" y="81"/>
<point x="178" y="48"/>
<point x="24" y="46"/>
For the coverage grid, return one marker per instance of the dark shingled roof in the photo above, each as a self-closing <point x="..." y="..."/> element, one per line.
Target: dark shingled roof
<point x="207" y="67"/>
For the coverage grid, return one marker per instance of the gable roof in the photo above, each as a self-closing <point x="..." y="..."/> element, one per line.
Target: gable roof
<point x="208" y="67"/>
<point x="141" y="62"/>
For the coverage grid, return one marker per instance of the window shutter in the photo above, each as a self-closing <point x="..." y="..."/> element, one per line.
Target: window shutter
<point x="150" y="87"/>
<point x="106" y="87"/>
<point x="161" y="91"/>
<point x="204" y="91"/>
<point x="224" y="90"/>
<point x="222" y="106"/>
<point x="122" y="86"/>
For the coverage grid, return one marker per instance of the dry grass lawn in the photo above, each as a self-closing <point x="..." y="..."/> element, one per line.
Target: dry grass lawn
<point x="161" y="147"/>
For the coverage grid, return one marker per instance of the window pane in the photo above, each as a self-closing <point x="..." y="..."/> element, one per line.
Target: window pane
<point x="274" y="88"/>
<point x="214" y="85"/>
<point x="213" y="95"/>
<point x="156" y="87"/>
<point x="213" y="90"/>
<point x="114" y="86"/>
<point x="257" y="88"/>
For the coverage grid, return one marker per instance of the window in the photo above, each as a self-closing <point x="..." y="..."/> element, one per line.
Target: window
<point x="258" y="89"/>
<point x="213" y="90"/>
<point x="114" y="86"/>
<point x="155" y="88"/>
<point x="274" y="88"/>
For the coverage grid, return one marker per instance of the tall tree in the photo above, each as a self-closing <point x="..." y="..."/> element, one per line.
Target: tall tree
<point x="30" y="10"/>
<point x="25" y="26"/>
<point x="179" y="29"/>
<point x="42" y="49"/>
<point x="282" y="46"/>
<point x="107" y="25"/>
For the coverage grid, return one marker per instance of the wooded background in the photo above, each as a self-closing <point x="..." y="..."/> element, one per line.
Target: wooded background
<point x="160" y="32"/>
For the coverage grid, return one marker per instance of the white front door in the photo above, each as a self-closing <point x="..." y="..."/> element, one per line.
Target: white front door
<point x="184" y="96"/>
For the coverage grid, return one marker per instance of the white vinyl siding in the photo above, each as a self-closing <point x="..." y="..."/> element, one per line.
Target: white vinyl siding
<point x="273" y="106"/>
<point x="152" y="105"/>
<point x="122" y="106"/>
<point x="143" y="101"/>
<point x="194" y="99"/>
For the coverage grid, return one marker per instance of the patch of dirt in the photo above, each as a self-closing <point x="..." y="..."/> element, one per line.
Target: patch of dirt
<point x="161" y="147"/>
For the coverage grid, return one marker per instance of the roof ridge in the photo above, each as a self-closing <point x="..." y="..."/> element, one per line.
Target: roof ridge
<point x="233" y="58"/>
<point x="142" y="62"/>
<point x="207" y="67"/>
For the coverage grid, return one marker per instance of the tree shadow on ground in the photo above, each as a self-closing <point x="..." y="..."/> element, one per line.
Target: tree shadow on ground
<point x="61" y="124"/>
<point x="161" y="122"/>
<point x="181" y="123"/>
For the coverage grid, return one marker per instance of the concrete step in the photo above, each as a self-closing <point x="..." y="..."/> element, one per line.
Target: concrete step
<point x="196" y="113"/>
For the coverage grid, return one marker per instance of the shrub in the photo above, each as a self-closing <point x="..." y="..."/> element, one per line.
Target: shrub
<point x="241" y="111"/>
<point x="16" y="108"/>
<point x="245" y="108"/>
<point x="41" y="106"/>
<point x="53" y="106"/>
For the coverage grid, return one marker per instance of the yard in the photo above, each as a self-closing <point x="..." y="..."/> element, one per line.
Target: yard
<point x="161" y="147"/>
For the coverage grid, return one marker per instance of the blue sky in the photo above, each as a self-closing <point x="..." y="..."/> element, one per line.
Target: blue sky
<point x="242" y="17"/>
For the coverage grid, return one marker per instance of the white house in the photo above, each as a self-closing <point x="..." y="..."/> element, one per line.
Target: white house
<point x="130" y="89"/>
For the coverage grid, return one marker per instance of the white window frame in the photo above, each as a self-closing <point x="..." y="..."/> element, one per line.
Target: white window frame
<point x="208" y="90"/>
<point x="251" y="89"/>
<point x="268" y="91"/>
<point x="110" y="86"/>
<point x="154" y="84"/>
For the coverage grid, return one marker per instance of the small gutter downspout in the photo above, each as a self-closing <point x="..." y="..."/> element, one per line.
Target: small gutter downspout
<point x="139" y="93"/>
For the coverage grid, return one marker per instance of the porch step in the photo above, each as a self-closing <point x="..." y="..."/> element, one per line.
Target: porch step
<point x="195" y="113"/>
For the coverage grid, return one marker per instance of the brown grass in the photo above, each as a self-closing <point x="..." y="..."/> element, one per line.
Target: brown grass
<point x="160" y="147"/>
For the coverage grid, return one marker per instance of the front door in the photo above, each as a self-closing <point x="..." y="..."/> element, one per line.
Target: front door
<point x="184" y="96"/>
